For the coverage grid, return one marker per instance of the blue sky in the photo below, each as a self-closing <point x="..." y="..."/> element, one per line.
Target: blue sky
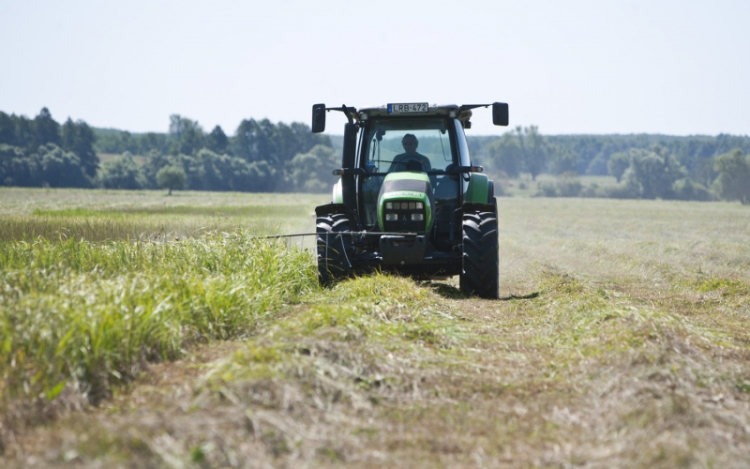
<point x="672" y="67"/>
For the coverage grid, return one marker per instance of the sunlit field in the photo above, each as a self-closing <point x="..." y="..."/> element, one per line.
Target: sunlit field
<point x="139" y="330"/>
<point x="97" y="215"/>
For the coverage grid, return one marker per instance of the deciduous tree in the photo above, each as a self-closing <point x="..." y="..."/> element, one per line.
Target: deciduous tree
<point x="534" y="148"/>
<point x="217" y="140"/>
<point x="61" y="168"/>
<point x="7" y="129"/>
<point x="121" y="173"/>
<point x="187" y="135"/>
<point x="46" y="129"/>
<point x="17" y="168"/>
<point x="312" y="170"/>
<point x="78" y="137"/>
<point x="653" y="173"/>
<point x="562" y="160"/>
<point x="506" y="155"/>
<point x="733" y="182"/>
<point x="171" y="177"/>
<point x="617" y="165"/>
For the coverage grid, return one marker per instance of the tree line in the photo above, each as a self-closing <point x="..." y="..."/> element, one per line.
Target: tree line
<point x="260" y="157"/>
<point x="645" y="166"/>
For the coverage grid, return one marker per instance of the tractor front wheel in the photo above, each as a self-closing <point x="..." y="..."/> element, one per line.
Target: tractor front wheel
<point x="334" y="248"/>
<point x="480" y="264"/>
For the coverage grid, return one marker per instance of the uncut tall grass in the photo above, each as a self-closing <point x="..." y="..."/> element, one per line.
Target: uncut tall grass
<point x="78" y="316"/>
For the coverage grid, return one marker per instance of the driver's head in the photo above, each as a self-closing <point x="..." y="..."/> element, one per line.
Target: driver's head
<point x="410" y="143"/>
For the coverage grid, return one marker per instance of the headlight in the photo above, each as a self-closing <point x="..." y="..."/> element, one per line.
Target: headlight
<point x="391" y="217"/>
<point x="417" y="217"/>
<point x="389" y="205"/>
<point x="420" y="205"/>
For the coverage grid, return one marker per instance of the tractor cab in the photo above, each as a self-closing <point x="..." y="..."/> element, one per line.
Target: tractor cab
<point x="406" y="184"/>
<point x="426" y="150"/>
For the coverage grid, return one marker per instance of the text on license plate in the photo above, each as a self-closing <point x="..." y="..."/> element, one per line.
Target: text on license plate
<point x="404" y="108"/>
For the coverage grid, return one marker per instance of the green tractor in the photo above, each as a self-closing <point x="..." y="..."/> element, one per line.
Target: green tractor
<point x="409" y="199"/>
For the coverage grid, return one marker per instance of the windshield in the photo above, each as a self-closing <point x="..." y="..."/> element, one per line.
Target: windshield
<point x="393" y="145"/>
<point x="403" y="145"/>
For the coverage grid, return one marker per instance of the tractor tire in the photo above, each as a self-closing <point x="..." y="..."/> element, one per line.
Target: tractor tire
<point x="480" y="264"/>
<point x="334" y="248"/>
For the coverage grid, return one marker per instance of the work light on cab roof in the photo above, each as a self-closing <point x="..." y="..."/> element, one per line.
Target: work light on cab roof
<point x="409" y="199"/>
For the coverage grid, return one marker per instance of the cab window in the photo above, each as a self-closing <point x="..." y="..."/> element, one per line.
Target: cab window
<point x="389" y="145"/>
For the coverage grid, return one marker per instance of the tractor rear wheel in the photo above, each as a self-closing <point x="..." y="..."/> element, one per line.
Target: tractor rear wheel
<point x="480" y="264"/>
<point x="333" y="248"/>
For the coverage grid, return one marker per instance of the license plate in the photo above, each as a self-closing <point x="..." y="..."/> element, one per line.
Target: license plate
<point x="407" y="108"/>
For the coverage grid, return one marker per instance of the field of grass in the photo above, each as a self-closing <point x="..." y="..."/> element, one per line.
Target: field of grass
<point x="620" y="341"/>
<point x="96" y="215"/>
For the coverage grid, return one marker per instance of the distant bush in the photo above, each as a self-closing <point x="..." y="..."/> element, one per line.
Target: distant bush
<point x="686" y="189"/>
<point x="590" y="191"/>
<point x="620" y="191"/>
<point x="566" y="185"/>
<point x="546" y="189"/>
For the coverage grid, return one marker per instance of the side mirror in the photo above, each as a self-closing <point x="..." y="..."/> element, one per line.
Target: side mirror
<point x="500" y="113"/>
<point x="318" y="118"/>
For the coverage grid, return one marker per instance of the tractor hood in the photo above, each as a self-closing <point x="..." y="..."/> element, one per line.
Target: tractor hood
<point x="405" y="203"/>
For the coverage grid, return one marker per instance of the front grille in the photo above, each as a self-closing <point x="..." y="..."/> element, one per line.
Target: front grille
<point x="403" y="215"/>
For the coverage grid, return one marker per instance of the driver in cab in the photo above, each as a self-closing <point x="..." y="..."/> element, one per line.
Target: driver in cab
<point x="410" y="160"/>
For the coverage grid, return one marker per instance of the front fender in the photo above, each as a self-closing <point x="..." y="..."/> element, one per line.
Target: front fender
<point x="478" y="191"/>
